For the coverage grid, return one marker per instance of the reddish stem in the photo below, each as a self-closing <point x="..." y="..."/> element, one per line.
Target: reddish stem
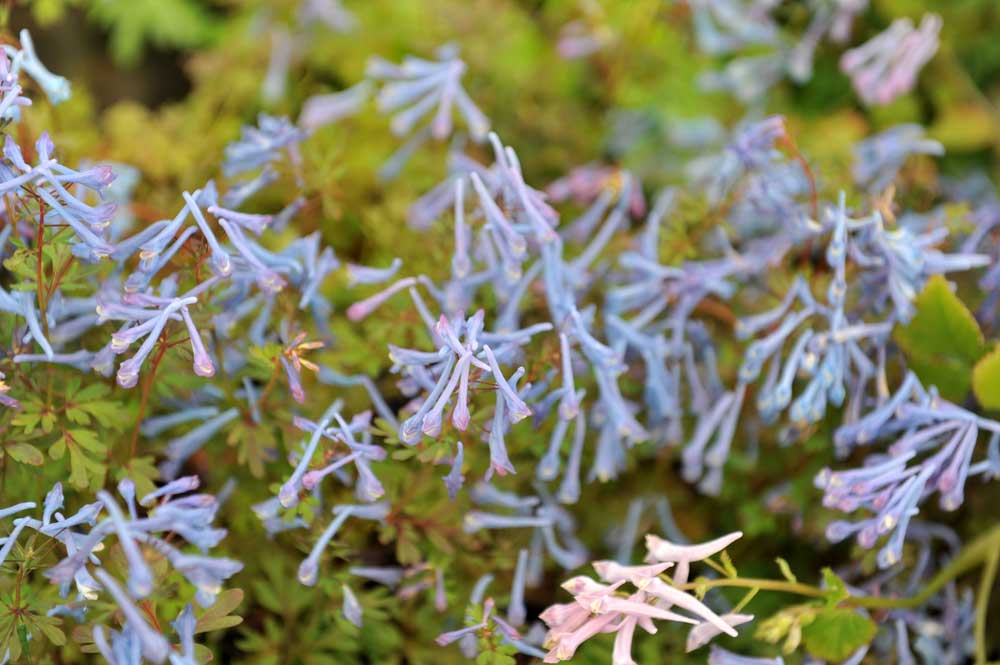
<point x="133" y="447"/>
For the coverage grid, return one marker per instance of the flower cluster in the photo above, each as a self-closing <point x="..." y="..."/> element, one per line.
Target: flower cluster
<point x="600" y="606"/>
<point x="143" y="541"/>
<point x="934" y="448"/>
<point x="432" y="407"/>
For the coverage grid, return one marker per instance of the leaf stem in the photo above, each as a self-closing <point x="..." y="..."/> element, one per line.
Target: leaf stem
<point x="983" y="602"/>
<point x="133" y="446"/>
<point x="983" y="550"/>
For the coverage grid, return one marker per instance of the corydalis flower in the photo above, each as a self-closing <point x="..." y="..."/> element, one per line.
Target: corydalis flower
<point x="343" y="432"/>
<point x="351" y="608"/>
<point x="751" y="147"/>
<point x="553" y="526"/>
<point x="189" y="517"/>
<point x="747" y="78"/>
<point x="179" y="449"/>
<point x="22" y="303"/>
<point x="720" y="656"/>
<point x="724" y="26"/>
<point x="886" y="67"/>
<point x="833" y="18"/>
<point x="454" y="480"/>
<point x="935" y="443"/>
<point x="586" y="35"/>
<point x="320" y="110"/>
<point x="49" y="180"/>
<point x="10" y="91"/>
<point x="878" y="159"/>
<point x="262" y="144"/>
<point x="6" y="399"/>
<point x="448" y="371"/>
<point x="588" y="183"/>
<point x="603" y="607"/>
<point x="358" y="274"/>
<point x="418" y="86"/>
<point x="309" y="568"/>
<point x="899" y="263"/>
<point x="293" y="361"/>
<point x="330" y="13"/>
<point x="489" y="617"/>
<point x="894" y="266"/>
<point x="55" y="87"/>
<point x="153" y="646"/>
<point x="149" y="331"/>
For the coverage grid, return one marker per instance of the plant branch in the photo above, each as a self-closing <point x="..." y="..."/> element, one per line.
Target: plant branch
<point x="983" y="550"/>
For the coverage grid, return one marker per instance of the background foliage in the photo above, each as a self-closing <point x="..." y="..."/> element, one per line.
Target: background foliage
<point x="164" y="85"/>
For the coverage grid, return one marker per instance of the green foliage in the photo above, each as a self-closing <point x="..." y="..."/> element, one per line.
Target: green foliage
<point x="173" y="24"/>
<point x="943" y="341"/>
<point x="836" y="632"/>
<point x="986" y="380"/>
<point x="48" y="12"/>
<point x="81" y="429"/>
<point x="67" y="424"/>
<point x="219" y="616"/>
<point x="835" y="589"/>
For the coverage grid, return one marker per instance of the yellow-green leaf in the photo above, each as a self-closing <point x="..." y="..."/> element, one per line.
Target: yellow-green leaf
<point x="943" y="341"/>
<point x="836" y="633"/>
<point x="986" y="380"/>
<point x="25" y="453"/>
<point x="218" y="615"/>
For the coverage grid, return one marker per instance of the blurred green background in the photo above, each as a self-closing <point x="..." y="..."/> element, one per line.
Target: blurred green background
<point x="164" y="84"/>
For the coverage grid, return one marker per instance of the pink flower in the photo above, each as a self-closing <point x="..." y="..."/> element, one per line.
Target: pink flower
<point x="886" y="66"/>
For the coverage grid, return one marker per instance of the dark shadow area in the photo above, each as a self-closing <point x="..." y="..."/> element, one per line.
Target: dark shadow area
<point x="77" y="49"/>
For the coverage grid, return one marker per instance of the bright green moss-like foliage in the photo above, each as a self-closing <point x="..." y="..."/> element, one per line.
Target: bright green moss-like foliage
<point x="795" y="229"/>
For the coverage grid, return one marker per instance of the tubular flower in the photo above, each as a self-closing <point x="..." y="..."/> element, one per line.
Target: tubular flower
<point x="606" y="607"/>
<point x="886" y="67"/>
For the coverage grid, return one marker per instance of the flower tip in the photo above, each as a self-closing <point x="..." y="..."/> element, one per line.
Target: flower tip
<point x="127" y="379"/>
<point x="307" y="573"/>
<point x="357" y="311"/>
<point x="203" y="366"/>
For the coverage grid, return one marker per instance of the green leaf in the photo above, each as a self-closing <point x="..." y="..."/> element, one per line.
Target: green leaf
<point x="28" y="420"/>
<point x="943" y="341"/>
<point x="83" y="470"/>
<point x="836" y="590"/>
<point x="180" y="24"/>
<point x="9" y="637"/>
<point x="48" y="626"/>
<point x="218" y="615"/>
<point x="142" y="471"/>
<point x="986" y="380"/>
<point x="836" y="633"/>
<point x="25" y="453"/>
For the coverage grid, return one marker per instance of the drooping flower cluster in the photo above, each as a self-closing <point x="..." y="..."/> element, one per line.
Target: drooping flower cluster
<point x="935" y="446"/>
<point x="581" y="326"/>
<point x="887" y="66"/>
<point x="142" y="541"/>
<point x="548" y="521"/>
<point x="605" y="607"/>
<point x="417" y="88"/>
<point x="881" y="69"/>
<point x="13" y="61"/>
